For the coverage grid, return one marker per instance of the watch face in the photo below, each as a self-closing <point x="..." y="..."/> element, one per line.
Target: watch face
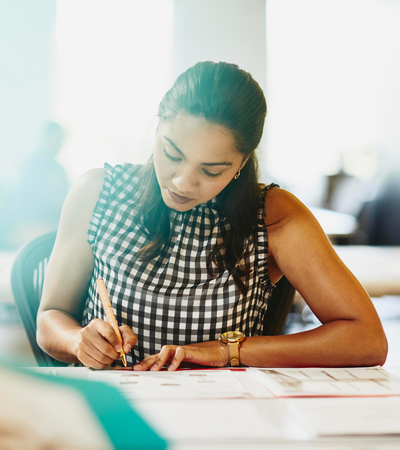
<point x="233" y="336"/>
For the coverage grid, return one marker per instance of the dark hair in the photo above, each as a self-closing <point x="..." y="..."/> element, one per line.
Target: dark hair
<point x="225" y="95"/>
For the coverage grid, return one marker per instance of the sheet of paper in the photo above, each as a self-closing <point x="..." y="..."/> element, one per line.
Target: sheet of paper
<point x="306" y="382"/>
<point x="252" y="387"/>
<point x="212" y="421"/>
<point x="348" y="416"/>
<point x="182" y="384"/>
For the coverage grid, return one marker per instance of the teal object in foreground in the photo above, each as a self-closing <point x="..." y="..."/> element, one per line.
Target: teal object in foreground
<point x="124" y="426"/>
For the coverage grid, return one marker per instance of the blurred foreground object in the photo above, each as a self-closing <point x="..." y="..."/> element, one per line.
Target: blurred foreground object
<point x="37" y="415"/>
<point x="51" y="412"/>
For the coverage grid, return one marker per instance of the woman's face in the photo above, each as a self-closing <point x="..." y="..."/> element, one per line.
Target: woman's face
<point x="194" y="160"/>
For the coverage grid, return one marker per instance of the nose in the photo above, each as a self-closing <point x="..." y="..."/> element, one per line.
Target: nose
<point x="185" y="181"/>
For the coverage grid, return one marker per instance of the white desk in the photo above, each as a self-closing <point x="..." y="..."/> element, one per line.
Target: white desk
<point x="376" y="267"/>
<point x="335" y="224"/>
<point x="245" y="423"/>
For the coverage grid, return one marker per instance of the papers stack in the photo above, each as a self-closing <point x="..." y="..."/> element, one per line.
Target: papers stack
<point x="324" y="382"/>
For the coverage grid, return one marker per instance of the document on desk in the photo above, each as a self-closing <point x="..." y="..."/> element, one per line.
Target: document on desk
<point x="326" y="382"/>
<point x="185" y="384"/>
<point x="348" y="416"/>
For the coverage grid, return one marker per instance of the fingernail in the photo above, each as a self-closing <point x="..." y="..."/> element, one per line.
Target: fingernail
<point x="118" y="348"/>
<point x="127" y="349"/>
<point x="153" y="367"/>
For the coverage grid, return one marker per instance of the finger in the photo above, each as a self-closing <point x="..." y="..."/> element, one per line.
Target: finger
<point x="129" y="338"/>
<point x="106" y="331"/>
<point x="146" y="363"/>
<point x="91" y="350"/>
<point x="91" y="358"/>
<point x="166" y="354"/>
<point x="92" y="335"/>
<point x="179" y="356"/>
<point x="88" y="361"/>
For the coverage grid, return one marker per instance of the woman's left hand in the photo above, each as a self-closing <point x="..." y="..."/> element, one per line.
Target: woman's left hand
<point x="211" y="353"/>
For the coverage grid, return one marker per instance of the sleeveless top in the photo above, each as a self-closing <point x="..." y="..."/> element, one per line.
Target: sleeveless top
<point x="171" y="299"/>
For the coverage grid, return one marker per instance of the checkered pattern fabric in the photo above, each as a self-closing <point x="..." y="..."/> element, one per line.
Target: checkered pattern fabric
<point x="172" y="299"/>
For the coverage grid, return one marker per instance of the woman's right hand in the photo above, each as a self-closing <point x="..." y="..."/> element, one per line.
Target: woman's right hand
<point x="98" y="345"/>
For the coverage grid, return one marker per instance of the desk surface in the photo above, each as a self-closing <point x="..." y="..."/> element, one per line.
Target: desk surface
<point x="252" y="423"/>
<point x="335" y="224"/>
<point x="376" y="267"/>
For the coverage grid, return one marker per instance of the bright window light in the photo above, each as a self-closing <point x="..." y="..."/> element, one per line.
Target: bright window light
<point x="112" y="63"/>
<point x="328" y="77"/>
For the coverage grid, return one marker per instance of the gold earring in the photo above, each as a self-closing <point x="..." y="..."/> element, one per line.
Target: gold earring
<point x="237" y="175"/>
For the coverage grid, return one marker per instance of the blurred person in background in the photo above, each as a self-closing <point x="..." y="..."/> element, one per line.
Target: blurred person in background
<point x="34" y="206"/>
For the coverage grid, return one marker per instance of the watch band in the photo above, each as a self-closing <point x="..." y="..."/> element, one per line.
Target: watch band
<point x="234" y="353"/>
<point x="233" y="340"/>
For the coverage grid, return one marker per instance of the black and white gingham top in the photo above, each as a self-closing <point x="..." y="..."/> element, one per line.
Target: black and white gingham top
<point x="172" y="299"/>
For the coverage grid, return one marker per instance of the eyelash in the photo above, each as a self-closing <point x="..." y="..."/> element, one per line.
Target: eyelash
<point x="172" y="158"/>
<point x="206" y="172"/>
<point x="212" y="175"/>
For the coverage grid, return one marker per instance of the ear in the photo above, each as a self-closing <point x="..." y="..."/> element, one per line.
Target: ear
<point x="245" y="161"/>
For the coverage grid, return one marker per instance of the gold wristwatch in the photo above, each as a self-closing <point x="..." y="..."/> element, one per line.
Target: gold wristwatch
<point x="233" y="339"/>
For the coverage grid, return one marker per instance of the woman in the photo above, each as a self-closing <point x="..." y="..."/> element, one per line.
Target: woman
<point x="190" y="247"/>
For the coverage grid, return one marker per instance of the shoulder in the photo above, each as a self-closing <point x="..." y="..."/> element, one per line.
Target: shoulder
<point x="294" y="236"/>
<point x="112" y="178"/>
<point x="288" y="220"/>
<point x="89" y="185"/>
<point x="82" y="198"/>
<point x="121" y="180"/>
<point x="282" y="206"/>
<point x="293" y="233"/>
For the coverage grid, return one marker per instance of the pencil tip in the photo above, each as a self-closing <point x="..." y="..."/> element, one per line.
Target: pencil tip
<point x="123" y="358"/>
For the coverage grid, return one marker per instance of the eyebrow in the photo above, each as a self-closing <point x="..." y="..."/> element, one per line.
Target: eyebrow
<point x="203" y="164"/>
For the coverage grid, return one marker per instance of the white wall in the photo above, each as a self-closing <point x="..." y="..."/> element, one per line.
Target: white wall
<point x="221" y="30"/>
<point x="333" y="71"/>
<point x="112" y="65"/>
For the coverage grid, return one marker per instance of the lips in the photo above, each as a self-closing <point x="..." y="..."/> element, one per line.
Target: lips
<point x="179" y="198"/>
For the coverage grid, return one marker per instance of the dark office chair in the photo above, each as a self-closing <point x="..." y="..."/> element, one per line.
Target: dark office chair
<point x="280" y="302"/>
<point x="27" y="276"/>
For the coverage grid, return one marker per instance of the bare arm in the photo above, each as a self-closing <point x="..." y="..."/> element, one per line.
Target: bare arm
<point x="70" y="268"/>
<point x="351" y="333"/>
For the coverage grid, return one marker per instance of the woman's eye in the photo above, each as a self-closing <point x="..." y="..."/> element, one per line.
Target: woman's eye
<point x="209" y="174"/>
<point x="172" y="158"/>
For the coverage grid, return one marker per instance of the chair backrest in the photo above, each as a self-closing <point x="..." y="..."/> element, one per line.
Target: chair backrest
<point x="280" y="302"/>
<point x="27" y="276"/>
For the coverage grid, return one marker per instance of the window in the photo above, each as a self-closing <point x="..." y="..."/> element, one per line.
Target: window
<point x="112" y="63"/>
<point x="332" y="89"/>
